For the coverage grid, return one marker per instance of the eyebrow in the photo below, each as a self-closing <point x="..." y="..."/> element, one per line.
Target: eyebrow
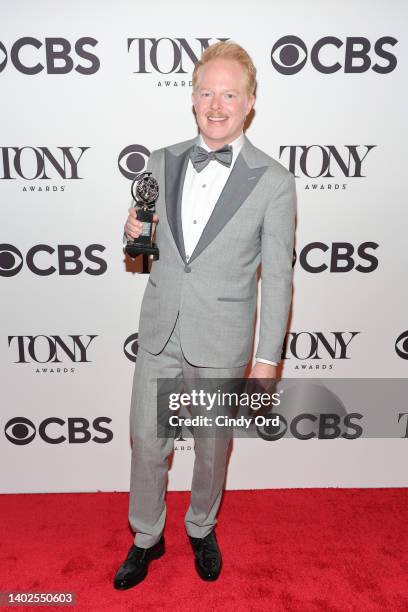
<point x="224" y="91"/>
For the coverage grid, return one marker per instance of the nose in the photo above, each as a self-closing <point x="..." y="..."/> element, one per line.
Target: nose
<point x="215" y="102"/>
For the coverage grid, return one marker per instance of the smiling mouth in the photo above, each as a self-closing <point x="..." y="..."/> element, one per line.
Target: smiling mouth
<point x="216" y="119"/>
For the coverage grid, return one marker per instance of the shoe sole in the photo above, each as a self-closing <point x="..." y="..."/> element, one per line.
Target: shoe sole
<point x="141" y="577"/>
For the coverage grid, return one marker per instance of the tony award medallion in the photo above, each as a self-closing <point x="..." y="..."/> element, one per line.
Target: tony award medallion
<point x="145" y="191"/>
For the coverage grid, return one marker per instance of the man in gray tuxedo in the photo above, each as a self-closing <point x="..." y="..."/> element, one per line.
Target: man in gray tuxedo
<point x="224" y="208"/>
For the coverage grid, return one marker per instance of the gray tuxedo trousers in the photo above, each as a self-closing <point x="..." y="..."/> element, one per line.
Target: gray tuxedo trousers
<point x="149" y="466"/>
<point x="197" y="317"/>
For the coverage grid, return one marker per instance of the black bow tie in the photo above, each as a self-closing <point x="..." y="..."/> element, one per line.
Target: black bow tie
<point x="200" y="158"/>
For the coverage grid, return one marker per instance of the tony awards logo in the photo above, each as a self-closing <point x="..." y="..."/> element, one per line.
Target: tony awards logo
<point x="145" y="191"/>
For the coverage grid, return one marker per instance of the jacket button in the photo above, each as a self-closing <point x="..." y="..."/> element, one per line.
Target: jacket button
<point x="187" y="269"/>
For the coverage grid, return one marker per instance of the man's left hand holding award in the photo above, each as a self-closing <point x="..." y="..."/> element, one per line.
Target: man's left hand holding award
<point x="140" y="224"/>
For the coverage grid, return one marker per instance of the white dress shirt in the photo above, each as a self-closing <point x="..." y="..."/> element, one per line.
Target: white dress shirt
<point x="201" y="191"/>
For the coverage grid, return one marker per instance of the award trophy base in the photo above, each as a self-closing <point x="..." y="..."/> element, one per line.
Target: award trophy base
<point x="133" y="250"/>
<point x="142" y="246"/>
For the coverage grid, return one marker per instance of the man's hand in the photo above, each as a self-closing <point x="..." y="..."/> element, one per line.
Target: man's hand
<point x="263" y="370"/>
<point x="133" y="227"/>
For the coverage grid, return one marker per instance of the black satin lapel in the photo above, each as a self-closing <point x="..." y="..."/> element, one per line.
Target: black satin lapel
<point x="239" y="185"/>
<point x="175" y="172"/>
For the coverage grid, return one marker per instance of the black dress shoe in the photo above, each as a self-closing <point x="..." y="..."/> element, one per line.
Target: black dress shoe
<point x="208" y="559"/>
<point x="134" y="569"/>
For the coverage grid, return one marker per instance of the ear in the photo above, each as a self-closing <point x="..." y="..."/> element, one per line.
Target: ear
<point x="251" y="102"/>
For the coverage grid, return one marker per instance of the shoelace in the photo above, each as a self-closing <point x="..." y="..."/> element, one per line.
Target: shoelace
<point x="208" y="556"/>
<point x="135" y="554"/>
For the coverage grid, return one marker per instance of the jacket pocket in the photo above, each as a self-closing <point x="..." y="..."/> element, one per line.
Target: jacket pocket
<point x="233" y="299"/>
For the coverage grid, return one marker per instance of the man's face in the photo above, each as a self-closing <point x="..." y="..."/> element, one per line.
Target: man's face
<point x="221" y="101"/>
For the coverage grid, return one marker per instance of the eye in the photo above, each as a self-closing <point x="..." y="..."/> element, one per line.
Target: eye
<point x="286" y="55"/>
<point x="132" y="160"/>
<point x="205" y="94"/>
<point x="11" y="260"/>
<point x="20" y="431"/>
<point x="401" y="345"/>
<point x="230" y="96"/>
<point x="131" y="347"/>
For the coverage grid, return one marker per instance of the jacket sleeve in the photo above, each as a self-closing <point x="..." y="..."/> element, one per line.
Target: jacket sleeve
<point x="277" y="240"/>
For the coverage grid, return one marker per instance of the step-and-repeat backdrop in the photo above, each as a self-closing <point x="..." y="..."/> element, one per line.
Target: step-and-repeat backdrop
<point x="87" y="91"/>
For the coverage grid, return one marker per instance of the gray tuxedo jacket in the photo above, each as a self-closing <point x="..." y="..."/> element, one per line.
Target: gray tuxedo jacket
<point x="215" y="292"/>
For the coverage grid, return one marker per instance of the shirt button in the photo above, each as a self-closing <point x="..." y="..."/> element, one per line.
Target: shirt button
<point x="204" y="185"/>
<point x="195" y="221"/>
<point x="187" y="269"/>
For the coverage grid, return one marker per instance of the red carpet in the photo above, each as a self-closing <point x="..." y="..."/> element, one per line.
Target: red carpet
<point x="287" y="549"/>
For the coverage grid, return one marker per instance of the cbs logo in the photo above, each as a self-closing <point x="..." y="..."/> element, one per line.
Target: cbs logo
<point x="401" y="345"/>
<point x="74" y="430"/>
<point x="289" y="55"/>
<point x="131" y="347"/>
<point x="341" y="257"/>
<point x="56" y="53"/>
<point x="67" y="258"/>
<point x="133" y="160"/>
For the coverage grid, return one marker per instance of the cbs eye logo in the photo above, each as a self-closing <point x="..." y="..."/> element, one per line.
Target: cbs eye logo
<point x="11" y="260"/>
<point x="131" y="347"/>
<point x="286" y="55"/>
<point x="401" y="345"/>
<point x="133" y="160"/>
<point x="20" y="431"/>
